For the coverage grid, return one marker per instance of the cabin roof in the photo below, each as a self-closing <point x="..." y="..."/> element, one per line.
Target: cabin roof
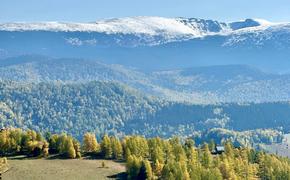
<point x="220" y="148"/>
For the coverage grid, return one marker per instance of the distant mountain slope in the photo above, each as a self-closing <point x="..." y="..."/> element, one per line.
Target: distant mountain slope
<point x="27" y="69"/>
<point x="155" y="43"/>
<point x="231" y="83"/>
<point x="199" y="85"/>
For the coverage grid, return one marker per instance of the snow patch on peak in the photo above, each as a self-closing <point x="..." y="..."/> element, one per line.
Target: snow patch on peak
<point x="264" y="22"/>
<point x="145" y="25"/>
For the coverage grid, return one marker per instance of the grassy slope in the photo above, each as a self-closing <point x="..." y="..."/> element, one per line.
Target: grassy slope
<point x="28" y="169"/>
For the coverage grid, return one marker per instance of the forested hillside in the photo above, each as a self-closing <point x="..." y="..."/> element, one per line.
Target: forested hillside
<point x="104" y="107"/>
<point x="73" y="108"/>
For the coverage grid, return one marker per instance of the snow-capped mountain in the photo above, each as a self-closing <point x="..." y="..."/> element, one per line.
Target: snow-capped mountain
<point x="150" y="43"/>
<point x="169" y="28"/>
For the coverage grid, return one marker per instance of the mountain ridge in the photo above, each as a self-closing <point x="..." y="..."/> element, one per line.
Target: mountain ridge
<point x="151" y="25"/>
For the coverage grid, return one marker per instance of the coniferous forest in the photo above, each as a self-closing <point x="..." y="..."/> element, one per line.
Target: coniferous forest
<point x="116" y="109"/>
<point x="151" y="158"/>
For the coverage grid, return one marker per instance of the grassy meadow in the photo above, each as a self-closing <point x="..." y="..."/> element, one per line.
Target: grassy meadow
<point x="63" y="169"/>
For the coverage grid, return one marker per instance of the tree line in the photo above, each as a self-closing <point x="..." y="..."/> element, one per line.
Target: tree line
<point x="152" y="158"/>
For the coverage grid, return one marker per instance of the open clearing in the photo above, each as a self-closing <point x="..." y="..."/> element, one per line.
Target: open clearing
<point x="36" y="169"/>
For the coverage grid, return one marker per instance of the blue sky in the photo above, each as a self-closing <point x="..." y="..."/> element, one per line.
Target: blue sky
<point x="90" y="10"/>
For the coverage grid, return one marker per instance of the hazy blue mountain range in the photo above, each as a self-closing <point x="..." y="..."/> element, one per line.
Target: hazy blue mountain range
<point x="199" y="85"/>
<point x="155" y="43"/>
